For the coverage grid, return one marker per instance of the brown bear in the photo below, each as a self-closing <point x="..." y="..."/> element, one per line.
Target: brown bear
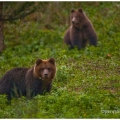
<point x="81" y="31"/>
<point x="29" y="81"/>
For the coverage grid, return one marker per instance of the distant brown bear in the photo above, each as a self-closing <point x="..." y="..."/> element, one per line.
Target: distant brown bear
<point x="81" y="31"/>
<point x="29" y="81"/>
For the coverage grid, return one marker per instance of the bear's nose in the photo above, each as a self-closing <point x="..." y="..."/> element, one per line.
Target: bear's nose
<point x="46" y="75"/>
<point x="73" y="21"/>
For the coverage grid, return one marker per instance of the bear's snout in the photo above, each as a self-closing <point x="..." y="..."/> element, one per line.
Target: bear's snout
<point x="73" y="20"/>
<point x="46" y="73"/>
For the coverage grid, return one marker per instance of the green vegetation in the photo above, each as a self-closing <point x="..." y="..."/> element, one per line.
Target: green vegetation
<point x="87" y="83"/>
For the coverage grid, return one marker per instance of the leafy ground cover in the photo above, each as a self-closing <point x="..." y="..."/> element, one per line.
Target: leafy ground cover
<point x="87" y="83"/>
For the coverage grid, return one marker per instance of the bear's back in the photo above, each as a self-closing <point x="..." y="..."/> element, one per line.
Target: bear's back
<point x="15" y="74"/>
<point x="14" y="77"/>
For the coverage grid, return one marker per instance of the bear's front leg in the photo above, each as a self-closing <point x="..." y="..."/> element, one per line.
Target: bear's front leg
<point x="76" y="38"/>
<point x="48" y="88"/>
<point x="93" y="40"/>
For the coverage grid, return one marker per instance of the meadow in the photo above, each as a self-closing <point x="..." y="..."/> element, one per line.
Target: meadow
<point x="87" y="82"/>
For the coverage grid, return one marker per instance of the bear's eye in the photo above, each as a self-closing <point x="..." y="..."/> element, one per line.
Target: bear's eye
<point x="41" y="69"/>
<point x="49" y="69"/>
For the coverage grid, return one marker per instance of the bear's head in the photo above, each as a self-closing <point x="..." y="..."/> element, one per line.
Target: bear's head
<point x="77" y="18"/>
<point x="45" y="69"/>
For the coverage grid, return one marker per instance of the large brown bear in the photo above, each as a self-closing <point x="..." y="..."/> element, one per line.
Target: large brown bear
<point x="81" y="31"/>
<point x="29" y="81"/>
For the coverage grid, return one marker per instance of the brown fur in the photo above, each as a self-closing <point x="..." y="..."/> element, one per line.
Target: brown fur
<point x="81" y="31"/>
<point x="29" y="81"/>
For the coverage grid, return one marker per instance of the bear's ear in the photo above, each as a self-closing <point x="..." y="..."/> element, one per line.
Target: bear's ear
<point x="38" y="61"/>
<point x="72" y="11"/>
<point x="80" y="10"/>
<point x="52" y="60"/>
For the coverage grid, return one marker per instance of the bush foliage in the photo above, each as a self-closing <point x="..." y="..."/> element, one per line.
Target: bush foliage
<point x="87" y="83"/>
